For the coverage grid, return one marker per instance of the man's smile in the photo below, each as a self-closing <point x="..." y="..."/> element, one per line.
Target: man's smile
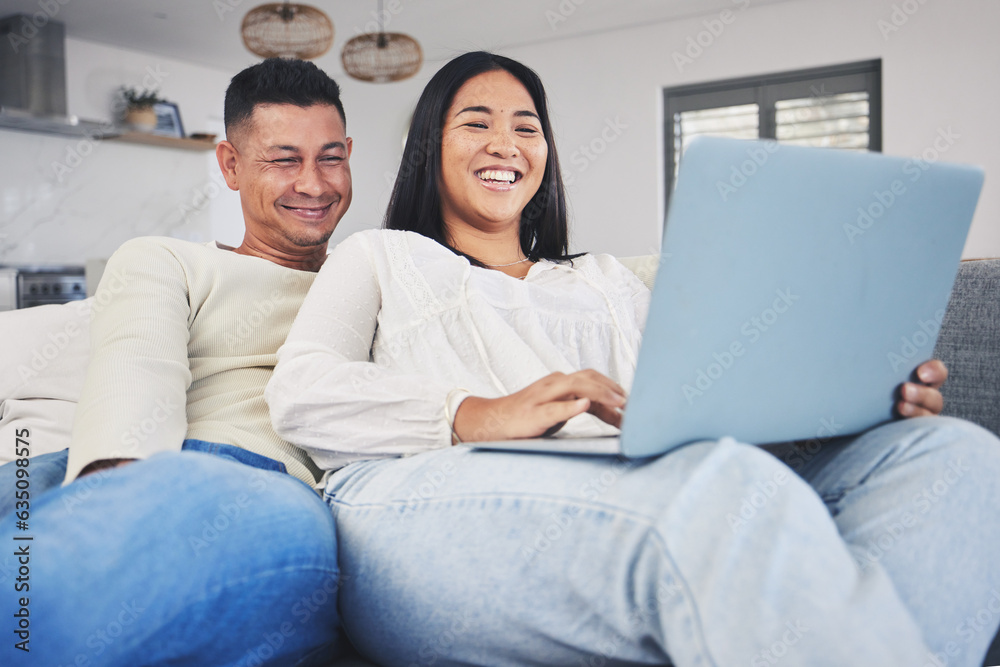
<point x="312" y="212"/>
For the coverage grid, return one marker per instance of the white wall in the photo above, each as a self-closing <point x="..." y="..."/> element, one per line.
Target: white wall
<point x="378" y="116"/>
<point x="939" y="70"/>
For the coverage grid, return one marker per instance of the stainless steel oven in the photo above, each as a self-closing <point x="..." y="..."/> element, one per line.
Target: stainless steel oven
<point x="26" y="286"/>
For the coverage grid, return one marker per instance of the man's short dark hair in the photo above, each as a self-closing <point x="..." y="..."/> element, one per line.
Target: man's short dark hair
<point x="278" y="81"/>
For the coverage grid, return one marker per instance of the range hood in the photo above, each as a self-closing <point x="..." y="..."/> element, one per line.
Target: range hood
<point x="19" y="119"/>
<point x="33" y="80"/>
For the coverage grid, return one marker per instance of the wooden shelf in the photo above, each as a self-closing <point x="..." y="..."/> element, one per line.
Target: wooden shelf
<point x="165" y="142"/>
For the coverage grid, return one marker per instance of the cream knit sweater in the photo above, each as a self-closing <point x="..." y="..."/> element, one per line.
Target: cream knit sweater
<point x="183" y="341"/>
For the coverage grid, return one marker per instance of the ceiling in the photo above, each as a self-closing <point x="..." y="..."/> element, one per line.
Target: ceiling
<point x="206" y="32"/>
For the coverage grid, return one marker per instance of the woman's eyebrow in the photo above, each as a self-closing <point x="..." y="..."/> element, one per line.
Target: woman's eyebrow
<point x="479" y="109"/>
<point x="487" y="110"/>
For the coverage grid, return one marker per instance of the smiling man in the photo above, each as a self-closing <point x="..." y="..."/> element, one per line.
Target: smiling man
<point x="294" y="194"/>
<point x="198" y="325"/>
<point x="181" y="503"/>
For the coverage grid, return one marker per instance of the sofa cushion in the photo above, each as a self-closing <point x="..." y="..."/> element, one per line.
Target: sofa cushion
<point x="49" y="425"/>
<point x="969" y="345"/>
<point x="42" y="368"/>
<point x="643" y="266"/>
<point x="45" y="351"/>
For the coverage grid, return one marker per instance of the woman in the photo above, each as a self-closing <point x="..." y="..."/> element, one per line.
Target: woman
<point x="465" y="320"/>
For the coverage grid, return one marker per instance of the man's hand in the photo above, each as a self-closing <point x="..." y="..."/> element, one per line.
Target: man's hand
<point x="541" y="408"/>
<point x="103" y="464"/>
<point x="923" y="399"/>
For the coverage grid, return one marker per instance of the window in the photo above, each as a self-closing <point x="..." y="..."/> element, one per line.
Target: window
<point x="836" y="107"/>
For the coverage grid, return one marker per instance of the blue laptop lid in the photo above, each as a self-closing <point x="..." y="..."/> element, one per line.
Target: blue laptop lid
<point x="798" y="288"/>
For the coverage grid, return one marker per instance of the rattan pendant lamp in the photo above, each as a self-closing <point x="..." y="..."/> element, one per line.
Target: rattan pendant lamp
<point x="287" y="30"/>
<point x="382" y="57"/>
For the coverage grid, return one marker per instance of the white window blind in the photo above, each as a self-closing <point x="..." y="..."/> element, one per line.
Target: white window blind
<point x="835" y="107"/>
<point x="834" y="121"/>
<point x="739" y="122"/>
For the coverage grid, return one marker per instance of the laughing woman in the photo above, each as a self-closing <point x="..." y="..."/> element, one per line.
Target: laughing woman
<point x="466" y="320"/>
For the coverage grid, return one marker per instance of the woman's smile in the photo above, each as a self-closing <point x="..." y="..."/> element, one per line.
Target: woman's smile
<point x="498" y="179"/>
<point x="504" y="175"/>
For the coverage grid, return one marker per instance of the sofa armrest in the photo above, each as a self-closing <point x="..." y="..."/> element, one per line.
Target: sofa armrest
<point x="43" y="363"/>
<point x="969" y="344"/>
<point x="643" y="266"/>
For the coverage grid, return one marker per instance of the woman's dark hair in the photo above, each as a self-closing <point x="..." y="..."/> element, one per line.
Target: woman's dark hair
<point x="415" y="204"/>
<point x="278" y="81"/>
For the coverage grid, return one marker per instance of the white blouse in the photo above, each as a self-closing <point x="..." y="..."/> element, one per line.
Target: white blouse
<point x="394" y="322"/>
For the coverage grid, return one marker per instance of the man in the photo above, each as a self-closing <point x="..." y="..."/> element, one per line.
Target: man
<point x="216" y="554"/>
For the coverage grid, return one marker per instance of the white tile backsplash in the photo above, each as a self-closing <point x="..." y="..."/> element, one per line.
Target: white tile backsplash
<point x="66" y="200"/>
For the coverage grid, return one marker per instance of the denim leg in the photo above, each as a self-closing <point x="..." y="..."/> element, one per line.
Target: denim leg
<point x="714" y="554"/>
<point x="921" y="498"/>
<point x="45" y="472"/>
<point x="233" y="453"/>
<point x="183" y="559"/>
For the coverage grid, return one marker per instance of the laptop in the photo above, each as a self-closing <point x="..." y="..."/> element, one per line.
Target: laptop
<point x="797" y="288"/>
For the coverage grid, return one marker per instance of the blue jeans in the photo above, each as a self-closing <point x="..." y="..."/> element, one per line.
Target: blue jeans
<point x="881" y="550"/>
<point x="47" y="471"/>
<point x="189" y="558"/>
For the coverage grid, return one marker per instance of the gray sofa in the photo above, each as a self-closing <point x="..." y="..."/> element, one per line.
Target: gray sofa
<point x="969" y="344"/>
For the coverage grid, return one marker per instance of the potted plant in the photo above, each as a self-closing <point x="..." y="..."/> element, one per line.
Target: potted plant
<point x="138" y="110"/>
